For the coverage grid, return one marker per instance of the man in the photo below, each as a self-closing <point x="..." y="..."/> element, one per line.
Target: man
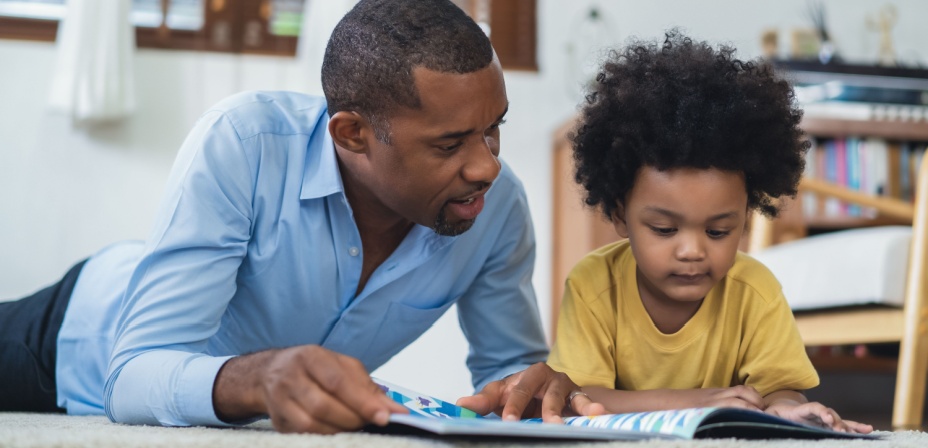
<point x="301" y="243"/>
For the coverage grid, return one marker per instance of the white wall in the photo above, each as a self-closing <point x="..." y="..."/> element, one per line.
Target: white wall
<point x="66" y="192"/>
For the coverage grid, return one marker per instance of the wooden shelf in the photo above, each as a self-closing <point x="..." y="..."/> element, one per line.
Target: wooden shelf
<point x="892" y="130"/>
<point x="849" y="222"/>
<point x="845" y="363"/>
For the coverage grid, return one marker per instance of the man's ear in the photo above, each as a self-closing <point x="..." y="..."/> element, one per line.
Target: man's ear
<point x="618" y="220"/>
<point x="349" y="131"/>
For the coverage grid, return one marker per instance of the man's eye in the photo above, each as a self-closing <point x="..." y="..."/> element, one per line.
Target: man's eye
<point x="452" y="147"/>
<point x="497" y="125"/>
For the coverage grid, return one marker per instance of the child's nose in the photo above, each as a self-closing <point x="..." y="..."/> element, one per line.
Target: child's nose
<point x="691" y="248"/>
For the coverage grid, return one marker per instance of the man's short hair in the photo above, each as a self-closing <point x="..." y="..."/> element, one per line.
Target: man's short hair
<point x="371" y="54"/>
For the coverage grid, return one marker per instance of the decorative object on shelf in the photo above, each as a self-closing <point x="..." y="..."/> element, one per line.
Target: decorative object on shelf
<point x="591" y="32"/>
<point x="769" y="44"/>
<point x="828" y="52"/>
<point x="883" y="22"/>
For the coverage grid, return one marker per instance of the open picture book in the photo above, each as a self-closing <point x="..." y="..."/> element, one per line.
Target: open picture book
<point x="429" y="415"/>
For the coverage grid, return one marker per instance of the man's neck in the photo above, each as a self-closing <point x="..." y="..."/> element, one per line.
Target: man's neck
<point x="381" y="229"/>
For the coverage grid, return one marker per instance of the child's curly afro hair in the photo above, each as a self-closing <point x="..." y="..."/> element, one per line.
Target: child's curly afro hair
<point x="684" y="104"/>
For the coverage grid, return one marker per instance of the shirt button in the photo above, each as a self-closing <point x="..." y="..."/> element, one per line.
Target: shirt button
<point x="353" y="251"/>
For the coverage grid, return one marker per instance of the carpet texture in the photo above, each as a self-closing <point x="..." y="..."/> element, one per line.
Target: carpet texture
<point x="44" y="430"/>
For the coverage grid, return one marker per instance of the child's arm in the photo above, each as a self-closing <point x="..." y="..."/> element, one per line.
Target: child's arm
<point x="793" y="405"/>
<point x="623" y="401"/>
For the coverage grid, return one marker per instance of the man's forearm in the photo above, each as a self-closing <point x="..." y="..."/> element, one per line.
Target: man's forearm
<point x="237" y="390"/>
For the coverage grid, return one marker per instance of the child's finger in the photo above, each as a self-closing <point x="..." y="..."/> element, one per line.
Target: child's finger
<point x="582" y="404"/>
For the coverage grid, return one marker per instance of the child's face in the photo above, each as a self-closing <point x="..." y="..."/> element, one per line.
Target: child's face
<point x="684" y="226"/>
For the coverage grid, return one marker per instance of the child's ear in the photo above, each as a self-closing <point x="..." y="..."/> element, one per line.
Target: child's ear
<point x="348" y="130"/>
<point x="618" y="221"/>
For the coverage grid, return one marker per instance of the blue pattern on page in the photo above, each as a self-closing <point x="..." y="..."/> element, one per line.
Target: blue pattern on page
<point x="424" y="405"/>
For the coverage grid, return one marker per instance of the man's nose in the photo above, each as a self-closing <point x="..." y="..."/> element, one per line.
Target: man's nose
<point x="482" y="164"/>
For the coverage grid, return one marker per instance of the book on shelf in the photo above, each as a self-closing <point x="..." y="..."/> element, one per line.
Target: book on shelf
<point x="869" y="165"/>
<point x="432" y="416"/>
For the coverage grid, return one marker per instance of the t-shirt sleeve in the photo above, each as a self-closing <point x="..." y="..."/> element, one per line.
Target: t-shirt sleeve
<point x="775" y="357"/>
<point x="585" y="348"/>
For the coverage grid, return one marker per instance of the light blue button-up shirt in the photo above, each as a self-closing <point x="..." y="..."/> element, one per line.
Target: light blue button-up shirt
<point x="255" y="247"/>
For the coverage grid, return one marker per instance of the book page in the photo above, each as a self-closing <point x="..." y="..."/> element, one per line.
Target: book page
<point x="424" y="405"/>
<point x="677" y="422"/>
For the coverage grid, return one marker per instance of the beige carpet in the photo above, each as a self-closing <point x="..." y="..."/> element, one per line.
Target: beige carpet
<point x="43" y="430"/>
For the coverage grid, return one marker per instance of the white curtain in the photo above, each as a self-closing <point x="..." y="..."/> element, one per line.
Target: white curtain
<point x="93" y="79"/>
<point x="319" y="19"/>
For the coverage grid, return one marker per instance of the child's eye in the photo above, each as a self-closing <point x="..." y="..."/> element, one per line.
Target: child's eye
<point x="718" y="234"/>
<point x="663" y="231"/>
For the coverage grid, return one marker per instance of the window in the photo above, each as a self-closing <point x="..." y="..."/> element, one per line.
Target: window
<point x="238" y="26"/>
<point x="512" y="28"/>
<point x="259" y="26"/>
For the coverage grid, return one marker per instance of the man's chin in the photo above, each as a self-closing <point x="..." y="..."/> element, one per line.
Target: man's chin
<point x="445" y="228"/>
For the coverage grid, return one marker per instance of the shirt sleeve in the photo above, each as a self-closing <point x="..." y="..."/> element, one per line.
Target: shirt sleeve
<point x="585" y="348"/>
<point x="159" y="373"/>
<point x="498" y="313"/>
<point x="774" y="355"/>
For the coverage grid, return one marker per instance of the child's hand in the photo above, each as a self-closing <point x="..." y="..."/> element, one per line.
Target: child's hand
<point x="816" y="414"/>
<point x="744" y="397"/>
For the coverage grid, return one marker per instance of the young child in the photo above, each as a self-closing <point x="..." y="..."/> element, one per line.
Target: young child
<point x="677" y="143"/>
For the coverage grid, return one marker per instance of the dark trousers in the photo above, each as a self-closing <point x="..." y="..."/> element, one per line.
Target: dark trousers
<point x="28" y="346"/>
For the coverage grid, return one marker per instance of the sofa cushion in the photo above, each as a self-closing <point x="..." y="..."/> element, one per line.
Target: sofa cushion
<point x="843" y="268"/>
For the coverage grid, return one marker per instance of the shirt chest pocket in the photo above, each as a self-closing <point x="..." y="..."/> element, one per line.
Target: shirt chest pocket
<point x="401" y="325"/>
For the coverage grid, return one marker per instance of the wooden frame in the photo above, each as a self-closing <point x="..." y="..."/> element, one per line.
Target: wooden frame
<point x="909" y="325"/>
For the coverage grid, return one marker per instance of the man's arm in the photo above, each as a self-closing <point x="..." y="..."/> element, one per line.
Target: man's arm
<point x="176" y="297"/>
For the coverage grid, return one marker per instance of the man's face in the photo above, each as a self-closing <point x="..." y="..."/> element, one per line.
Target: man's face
<point x="684" y="226"/>
<point x="442" y="157"/>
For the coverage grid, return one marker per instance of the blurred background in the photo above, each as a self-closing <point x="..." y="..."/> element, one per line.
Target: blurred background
<point x="97" y="96"/>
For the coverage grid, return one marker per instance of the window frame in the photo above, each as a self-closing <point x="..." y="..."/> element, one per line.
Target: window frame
<point x="236" y="13"/>
<point x="513" y="30"/>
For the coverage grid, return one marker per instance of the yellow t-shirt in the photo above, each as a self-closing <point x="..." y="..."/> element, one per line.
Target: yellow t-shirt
<point x="743" y="333"/>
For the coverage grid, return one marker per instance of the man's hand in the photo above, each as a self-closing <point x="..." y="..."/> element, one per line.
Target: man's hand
<point x="815" y="414"/>
<point x="303" y="389"/>
<point x="537" y="391"/>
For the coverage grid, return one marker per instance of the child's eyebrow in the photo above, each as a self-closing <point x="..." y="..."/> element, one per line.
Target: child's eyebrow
<point x="675" y="215"/>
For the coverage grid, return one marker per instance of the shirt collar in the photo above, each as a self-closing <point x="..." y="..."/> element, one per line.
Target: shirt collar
<point x="321" y="176"/>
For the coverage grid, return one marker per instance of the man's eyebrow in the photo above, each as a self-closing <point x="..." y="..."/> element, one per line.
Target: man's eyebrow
<point x="675" y="215"/>
<point x="458" y="134"/>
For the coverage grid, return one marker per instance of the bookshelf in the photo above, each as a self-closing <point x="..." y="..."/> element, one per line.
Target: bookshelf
<point x="797" y="222"/>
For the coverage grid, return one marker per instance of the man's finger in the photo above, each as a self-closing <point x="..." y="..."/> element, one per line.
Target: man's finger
<point x="329" y="410"/>
<point x="556" y="399"/>
<point x="529" y="383"/>
<point x="486" y="401"/>
<point x="289" y="417"/>
<point x="345" y="379"/>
